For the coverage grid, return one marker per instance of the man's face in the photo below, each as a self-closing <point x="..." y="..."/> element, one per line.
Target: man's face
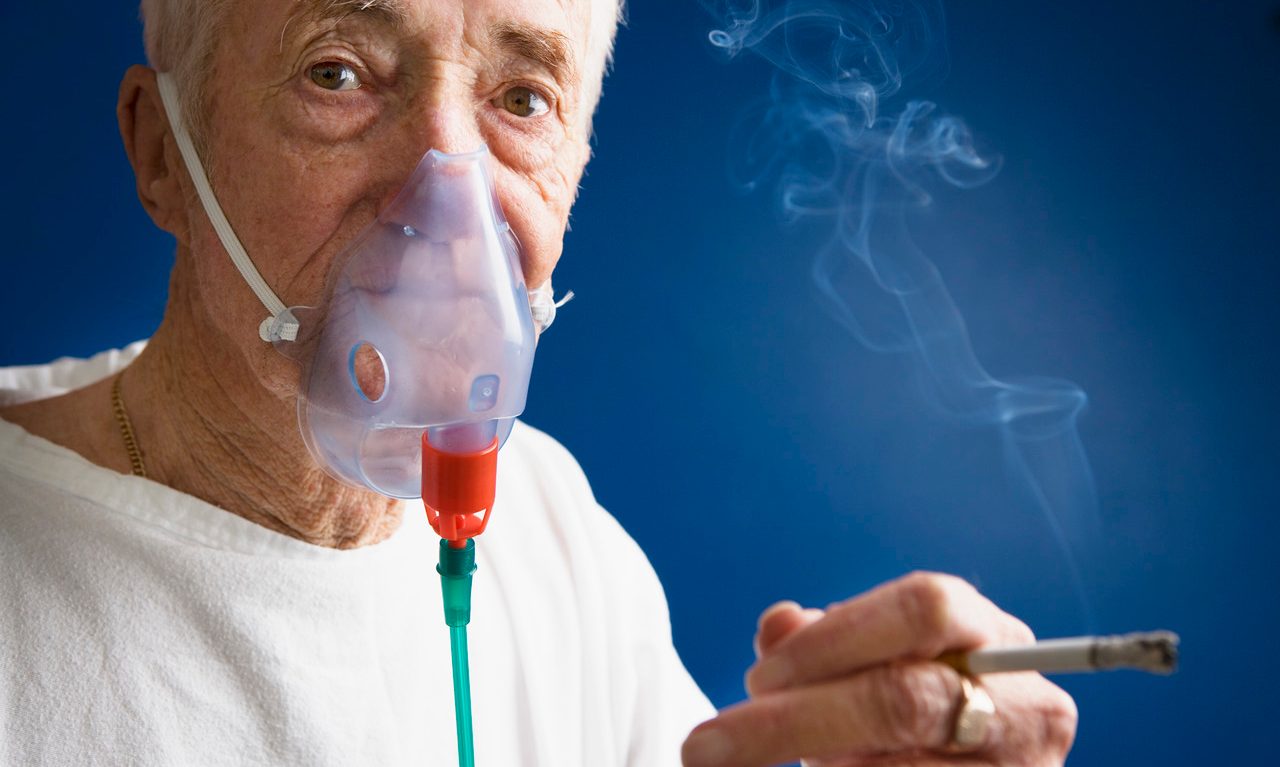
<point x="319" y="115"/>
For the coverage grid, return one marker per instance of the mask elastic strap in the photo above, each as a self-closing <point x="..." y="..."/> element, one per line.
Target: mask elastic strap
<point x="543" y="305"/>
<point x="273" y="328"/>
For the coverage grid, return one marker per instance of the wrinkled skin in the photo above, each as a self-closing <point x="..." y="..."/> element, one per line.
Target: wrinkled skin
<point x="300" y="169"/>
<point x="854" y="686"/>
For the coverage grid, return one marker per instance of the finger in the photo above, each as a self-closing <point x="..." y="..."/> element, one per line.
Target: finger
<point x="774" y="623"/>
<point x="1035" y="724"/>
<point x="779" y="621"/>
<point x="895" y="708"/>
<point x="915" y="617"/>
<point x="1037" y="717"/>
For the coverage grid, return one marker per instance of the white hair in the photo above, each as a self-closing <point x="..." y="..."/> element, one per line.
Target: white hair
<point x="180" y="37"/>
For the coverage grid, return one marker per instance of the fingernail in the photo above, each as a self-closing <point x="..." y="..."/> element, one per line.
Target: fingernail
<point x="771" y="674"/>
<point x="706" y="747"/>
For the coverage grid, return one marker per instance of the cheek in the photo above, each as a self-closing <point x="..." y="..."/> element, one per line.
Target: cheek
<point x="540" y="229"/>
<point x="537" y="207"/>
<point x="293" y="211"/>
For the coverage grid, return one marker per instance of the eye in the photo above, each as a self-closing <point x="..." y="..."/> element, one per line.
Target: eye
<point x="335" y="76"/>
<point x="524" y="102"/>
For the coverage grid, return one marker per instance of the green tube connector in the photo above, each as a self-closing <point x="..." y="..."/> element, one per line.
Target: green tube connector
<point x="456" y="568"/>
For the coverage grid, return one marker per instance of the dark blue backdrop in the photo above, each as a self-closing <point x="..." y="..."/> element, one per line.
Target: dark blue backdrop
<point x="1128" y="245"/>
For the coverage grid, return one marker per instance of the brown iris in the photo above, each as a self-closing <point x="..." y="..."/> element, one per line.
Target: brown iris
<point x="523" y="102"/>
<point x="334" y="76"/>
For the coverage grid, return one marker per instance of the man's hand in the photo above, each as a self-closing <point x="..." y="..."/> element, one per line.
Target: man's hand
<point x="856" y="685"/>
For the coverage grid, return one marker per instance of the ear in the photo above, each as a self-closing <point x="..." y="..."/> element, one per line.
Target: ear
<point x="157" y="164"/>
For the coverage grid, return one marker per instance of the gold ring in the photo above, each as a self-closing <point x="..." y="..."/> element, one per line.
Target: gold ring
<point x="973" y="718"/>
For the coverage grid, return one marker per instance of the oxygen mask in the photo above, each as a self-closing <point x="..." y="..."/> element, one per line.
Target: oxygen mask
<point x="428" y="328"/>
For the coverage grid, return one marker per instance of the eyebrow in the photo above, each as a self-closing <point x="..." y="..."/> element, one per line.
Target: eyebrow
<point x="391" y="11"/>
<point x="546" y="47"/>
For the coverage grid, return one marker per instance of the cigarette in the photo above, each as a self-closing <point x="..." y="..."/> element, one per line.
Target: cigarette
<point x="1155" y="652"/>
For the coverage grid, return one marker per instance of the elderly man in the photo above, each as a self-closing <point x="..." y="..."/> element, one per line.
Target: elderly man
<point x="185" y="585"/>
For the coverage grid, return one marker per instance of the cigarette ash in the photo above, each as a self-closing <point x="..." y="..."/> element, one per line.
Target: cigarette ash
<point x="1156" y="652"/>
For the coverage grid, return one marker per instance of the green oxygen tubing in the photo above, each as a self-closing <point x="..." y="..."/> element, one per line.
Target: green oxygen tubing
<point x="456" y="567"/>
<point x="459" y="484"/>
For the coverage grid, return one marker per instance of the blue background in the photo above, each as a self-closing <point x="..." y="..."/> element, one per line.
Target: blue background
<point x="1128" y="245"/>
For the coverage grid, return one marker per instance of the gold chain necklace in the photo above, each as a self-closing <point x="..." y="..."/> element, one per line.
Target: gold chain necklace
<point x="126" y="428"/>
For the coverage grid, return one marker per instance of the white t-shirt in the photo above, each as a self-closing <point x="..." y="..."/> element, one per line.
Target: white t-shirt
<point x="141" y="625"/>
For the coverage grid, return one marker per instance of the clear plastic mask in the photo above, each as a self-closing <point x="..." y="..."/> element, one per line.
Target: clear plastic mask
<point x="428" y="329"/>
<point x="429" y="326"/>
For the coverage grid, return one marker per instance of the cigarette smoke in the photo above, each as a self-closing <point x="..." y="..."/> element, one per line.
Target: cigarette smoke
<point x="824" y="133"/>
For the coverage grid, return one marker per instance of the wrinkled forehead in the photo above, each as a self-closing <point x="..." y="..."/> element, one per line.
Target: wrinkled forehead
<point x="547" y="28"/>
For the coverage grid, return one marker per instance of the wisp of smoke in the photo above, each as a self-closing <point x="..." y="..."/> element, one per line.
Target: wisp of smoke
<point x="823" y="132"/>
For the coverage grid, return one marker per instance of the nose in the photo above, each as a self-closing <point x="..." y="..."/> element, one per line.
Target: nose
<point x="440" y="118"/>
<point x="443" y="117"/>
<point x="450" y="131"/>
<point x="448" y="197"/>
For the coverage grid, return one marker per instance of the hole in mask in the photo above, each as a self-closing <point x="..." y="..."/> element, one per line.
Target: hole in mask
<point x="368" y="371"/>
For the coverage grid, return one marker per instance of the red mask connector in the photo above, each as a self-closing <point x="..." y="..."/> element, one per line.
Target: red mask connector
<point x="458" y="490"/>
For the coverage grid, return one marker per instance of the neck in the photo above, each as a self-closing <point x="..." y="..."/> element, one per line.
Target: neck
<point x="208" y="426"/>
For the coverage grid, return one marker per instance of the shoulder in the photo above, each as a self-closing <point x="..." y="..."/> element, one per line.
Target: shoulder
<point x="543" y="468"/>
<point x="24" y="383"/>
<point x="552" y="493"/>
<point x="618" y="603"/>
<point x="67" y="403"/>
<point x="531" y="444"/>
<point x="541" y="482"/>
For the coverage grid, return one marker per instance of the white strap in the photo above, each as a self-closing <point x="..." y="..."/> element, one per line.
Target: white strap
<point x="271" y="329"/>
<point x="543" y="306"/>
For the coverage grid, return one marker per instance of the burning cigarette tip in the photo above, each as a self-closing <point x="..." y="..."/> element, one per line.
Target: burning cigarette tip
<point x="1154" y="651"/>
